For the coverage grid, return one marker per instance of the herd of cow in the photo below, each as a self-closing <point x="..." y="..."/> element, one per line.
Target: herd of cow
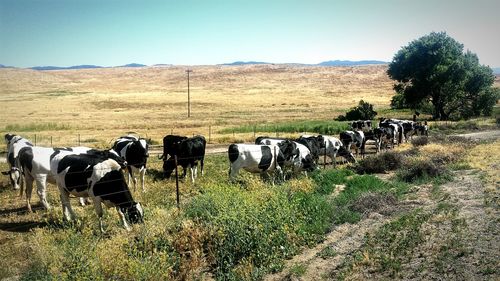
<point x="97" y="174"/>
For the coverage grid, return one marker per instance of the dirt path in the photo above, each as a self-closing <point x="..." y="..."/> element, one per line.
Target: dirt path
<point x="484" y="135"/>
<point x="463" y="244"/>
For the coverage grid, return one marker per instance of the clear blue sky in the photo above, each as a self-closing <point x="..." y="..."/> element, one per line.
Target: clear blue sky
<point x="193" y="32"/>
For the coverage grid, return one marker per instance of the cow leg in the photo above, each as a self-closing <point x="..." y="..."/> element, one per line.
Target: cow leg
<point x="41" y="188"/>
<point x="195" y="172"/>
<point x="201" y="166"/>
<point x="233" y="172"/>
<point x="122" y="218"/>
<point x="191" y="170"/>
<point x="29" y="189"/>
<point x="334" y="159"/>
<point x="142" y="174"/>
<point x="68" y="212"/>
<point x="99" y="212"/>
<point x="131" y="176"/>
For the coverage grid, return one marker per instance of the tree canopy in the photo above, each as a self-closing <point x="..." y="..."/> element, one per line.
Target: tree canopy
<point x="434" y="69"/>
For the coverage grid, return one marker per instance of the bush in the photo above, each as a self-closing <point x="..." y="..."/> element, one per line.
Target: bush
<point x="364" y="111"/>
<point x="380" y="163"/>
<point x="420" y="141"/>
<point x="420" y="169"/>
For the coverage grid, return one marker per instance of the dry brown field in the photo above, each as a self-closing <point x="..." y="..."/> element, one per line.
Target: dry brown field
<point x="101" y="104"/>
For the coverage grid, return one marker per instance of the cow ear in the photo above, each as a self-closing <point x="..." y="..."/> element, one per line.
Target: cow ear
<point x="5" y="173"/>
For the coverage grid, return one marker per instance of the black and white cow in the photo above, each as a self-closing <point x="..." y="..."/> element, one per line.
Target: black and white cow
<point x="334" y="146"/>
<point x="363" y="125"/>
<point x="170" y="143"/>
<point x="313" y="143"/>
<point x="422" y="129"/>
<point x="135" y="151"/>
<point x="98" y="175"/>
<point x="348" y="138"/>
<point x="397" y="128"/>
<point x="14" y="144"/>
<point x="189" y="152"/>
<point x="297" y="156"/>
<point x="255" y="158"/>
<point x="34" y="163"/>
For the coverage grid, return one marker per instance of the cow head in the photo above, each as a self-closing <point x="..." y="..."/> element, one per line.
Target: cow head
<point x="134" y="213"/>
<point x="308" y="163"/>
<point x="346" y="154"/>
<point x="14" y="177"/>
<point x="168" y="167"/>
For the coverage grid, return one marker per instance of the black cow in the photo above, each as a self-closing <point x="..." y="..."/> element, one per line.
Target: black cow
<point x="95" y="174"/>
<point x="170" y="143"/>
<point x="188" y="151"/>
<point x="135" y="151"/>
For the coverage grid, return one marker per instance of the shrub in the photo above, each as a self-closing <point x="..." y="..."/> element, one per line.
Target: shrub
<point x="420" y="169"/>
<point x="420" y="141"/>
<point x="380" y="163"/>
<point x="364" y="111"/>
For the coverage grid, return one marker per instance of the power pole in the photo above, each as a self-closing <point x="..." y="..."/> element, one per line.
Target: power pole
<point x="189" y="97"/>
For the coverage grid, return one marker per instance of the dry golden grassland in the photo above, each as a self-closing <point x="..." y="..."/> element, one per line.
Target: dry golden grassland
<point x="102" y="104"/>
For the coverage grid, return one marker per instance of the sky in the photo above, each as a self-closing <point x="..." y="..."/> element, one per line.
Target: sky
<point x="200" y="32"/>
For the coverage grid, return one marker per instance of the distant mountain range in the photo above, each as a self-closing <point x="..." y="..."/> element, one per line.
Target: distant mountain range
<point x="325" y="63"/>
<point x="84" y="66"/>
<point x="246" y="63"/>
<point x="496" y="70"/>
<point x="350" y="63"/>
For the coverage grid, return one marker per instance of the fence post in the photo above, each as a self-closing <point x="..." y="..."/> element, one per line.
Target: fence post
<point x="50" y="141"/>
<point x="254" y="129"/>
<point x="78" y="139"/>
<point x="176" y="182"/>
<point x="35" y="139"/>
<point x="209" y="134"/>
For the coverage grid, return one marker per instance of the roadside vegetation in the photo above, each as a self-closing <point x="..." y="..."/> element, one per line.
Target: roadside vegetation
<point x="236" y="231"/>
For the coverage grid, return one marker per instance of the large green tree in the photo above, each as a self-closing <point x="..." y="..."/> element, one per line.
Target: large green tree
<point x="435" y="69"/>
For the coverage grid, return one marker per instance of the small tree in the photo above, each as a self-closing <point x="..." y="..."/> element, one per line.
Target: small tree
<point x="364" y="111"/>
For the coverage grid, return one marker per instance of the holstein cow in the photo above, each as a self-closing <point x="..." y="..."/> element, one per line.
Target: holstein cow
<point x="297" y="156"/>
<point x="363" y="125"/>
<point x="423" y="129"/>
<point x="14" y="144"/>
<point x="34" y="163"/>
<point x="348" y="138"/>
<point x="313" y="143"/>
<point x="255" y="158"/>
<point x="188" y="151"/>
<point x="396" y="127"/>
<point x="98" y="175"/>
<point x="334" y="146"/>
<point x="135" y="151"/>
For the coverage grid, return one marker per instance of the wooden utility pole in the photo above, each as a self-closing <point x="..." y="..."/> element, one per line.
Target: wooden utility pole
<point x="189" y="97"/>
